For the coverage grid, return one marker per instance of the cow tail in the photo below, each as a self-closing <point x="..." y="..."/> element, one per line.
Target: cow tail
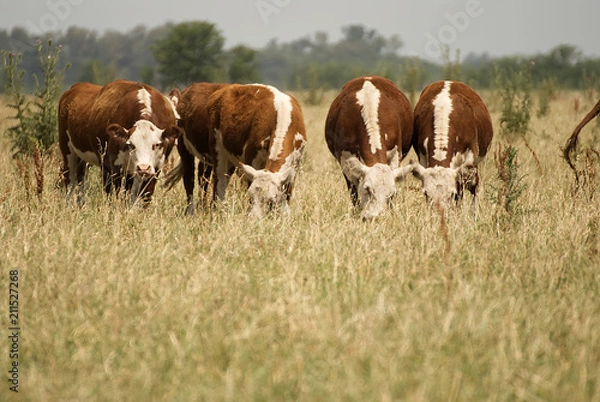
<point x="173" y="176"/>
<point x="571" y="144"/>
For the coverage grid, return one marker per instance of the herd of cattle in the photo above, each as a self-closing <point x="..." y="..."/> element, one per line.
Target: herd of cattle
<point x="129" y="129"/>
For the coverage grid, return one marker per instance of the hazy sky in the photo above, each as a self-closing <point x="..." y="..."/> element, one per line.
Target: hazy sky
<point x="498" y="27"/>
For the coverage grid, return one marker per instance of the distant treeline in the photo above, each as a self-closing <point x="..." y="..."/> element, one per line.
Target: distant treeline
<point x="177" y="54"/>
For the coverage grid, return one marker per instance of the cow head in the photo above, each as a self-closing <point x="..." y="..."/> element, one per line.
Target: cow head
<point x="270" y="191"/>
<point x="441" y="185"/>
<point x="375" y="185"/>
<point x="140" y="151"/>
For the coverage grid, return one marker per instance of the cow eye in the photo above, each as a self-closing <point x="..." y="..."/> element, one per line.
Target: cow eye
<point x="156" y="146"/>
<point x="129" y="146"/>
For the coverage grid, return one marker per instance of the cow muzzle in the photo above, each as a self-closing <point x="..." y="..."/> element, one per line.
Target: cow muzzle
<point x="144" y="170"/>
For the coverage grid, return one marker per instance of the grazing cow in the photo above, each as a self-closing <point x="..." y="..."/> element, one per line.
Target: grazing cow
<point x="453" y="132"/>
<point x="368" y="130"/>
<point x="126" y="128"/>
<point x="192" y="106"/>
<point x="261" y="130"/>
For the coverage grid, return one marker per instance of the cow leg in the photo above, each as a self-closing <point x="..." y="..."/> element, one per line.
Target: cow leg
<point x="205" y="171"/>
<point x="221" y="179"/>
<point x="187" y="162"/>
<point x="107" y="180"/>
<point x="289" y="191"/>
<point x="353" y="192"/>
<point x="111" y="180"/>
<point x="117" y="178"/>
<point x="130" y="181"/>
<point x="473" y="190"/>
<point x="81" y="166"/>
<point x="74" y="177"/>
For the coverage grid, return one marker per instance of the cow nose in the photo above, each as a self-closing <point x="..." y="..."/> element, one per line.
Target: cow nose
<point x="144" y="170"/>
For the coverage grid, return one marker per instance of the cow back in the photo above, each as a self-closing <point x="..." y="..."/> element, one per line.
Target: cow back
<point x="125" y="102"/>
<point x="450" y="118"/>
<point x="194" y="116"/>
<point x="353" y="119"/>
<point x="247" y="119"/>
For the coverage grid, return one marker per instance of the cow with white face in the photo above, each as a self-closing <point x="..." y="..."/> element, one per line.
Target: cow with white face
<point x="260" y="130"/>
<point x="368" y="130"/>
<point x="453" y="132"/>
<point x="126" y="128"/>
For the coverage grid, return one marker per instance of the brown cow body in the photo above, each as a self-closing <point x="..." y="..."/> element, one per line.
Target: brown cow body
<point x="453" y="132"/>
<point x="261" y="130"/>
<point x="192" y="106"/>
<point x="368" y="130"/>
<point x="126" y="128"/>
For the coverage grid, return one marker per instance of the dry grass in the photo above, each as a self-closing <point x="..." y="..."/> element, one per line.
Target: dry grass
<point x="133" y="305"/>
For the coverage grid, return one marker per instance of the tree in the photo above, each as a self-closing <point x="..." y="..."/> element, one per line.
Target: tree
<point x="191" y="52"/>
<point x="96" y="72"/>
<point x="243" y="67"/>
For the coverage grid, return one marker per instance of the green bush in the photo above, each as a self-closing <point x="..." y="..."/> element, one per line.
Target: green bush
<point x="547" y="92"/>
<point x="514" y="91"/>
<point x="412" y="78"/>
<point x="37" y="119"/>
<point x="451" y="69"/>
<point x="511" y="186"/>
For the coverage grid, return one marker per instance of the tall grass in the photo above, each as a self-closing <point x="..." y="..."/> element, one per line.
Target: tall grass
<point x="127" y="304"/>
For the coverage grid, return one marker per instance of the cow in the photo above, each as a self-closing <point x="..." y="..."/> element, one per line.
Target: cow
<point x="453" y="133"/>
<point x="126" y="128"/>
<point x="260" y="130"/>
<point x="192" y="106"/>
<point x="368" y="130"/>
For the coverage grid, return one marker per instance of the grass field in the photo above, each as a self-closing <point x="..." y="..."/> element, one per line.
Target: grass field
<point x="134" y="305"/>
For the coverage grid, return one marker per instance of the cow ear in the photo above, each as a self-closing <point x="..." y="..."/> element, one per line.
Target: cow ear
<point x="467" y="174"/>
<point x="353" y="168"/>
<point x="401" y="172"/>
<point x="175" y="95"/>
<point x="287" y="173"/>
<point x="171" y="134"/>
<point x="248" y="171"/>
<point x="117" y="133"/>
<point x="417" y="170"/>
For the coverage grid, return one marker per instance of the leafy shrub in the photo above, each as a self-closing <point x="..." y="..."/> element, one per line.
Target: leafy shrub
<point x="37" y="119"/>
<point x="511" y="185"/>
<point x="451" y="69"/>
<point x="411" y="79"/>
<point x="514" y="92"/>
<point x="547" y="92"/>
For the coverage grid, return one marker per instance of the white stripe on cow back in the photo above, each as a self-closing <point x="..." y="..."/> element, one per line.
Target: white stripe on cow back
<point x="441" y="122"/>
<point x="283" y="107"/>
<point x="146" y="101"/>
<point x="368" y="99"/>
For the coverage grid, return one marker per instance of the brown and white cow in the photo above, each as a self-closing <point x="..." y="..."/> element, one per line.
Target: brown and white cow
<point x="453" y="132"/>
<point x="126" y="128"/>
<point x="368" y="130"/>
<point x="261" y="130"/>
<point x="192" y="106"/>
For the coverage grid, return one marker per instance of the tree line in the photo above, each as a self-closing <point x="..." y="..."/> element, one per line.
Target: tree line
<point x="178" y="54"/>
